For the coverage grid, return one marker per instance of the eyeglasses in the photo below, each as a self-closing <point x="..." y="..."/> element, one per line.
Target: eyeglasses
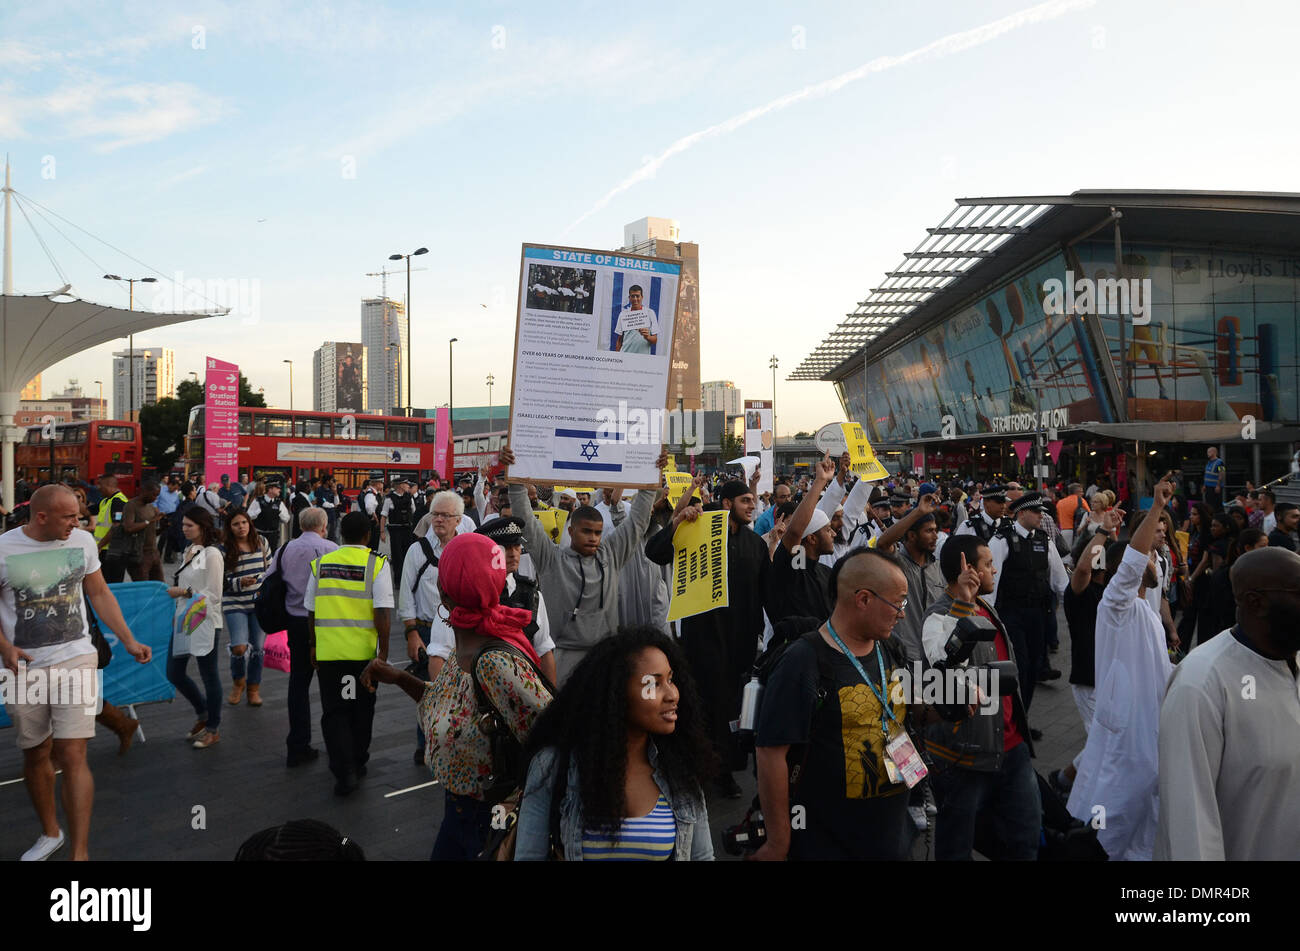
<point x="901" y="607"/>
<point x="444" y="515"/>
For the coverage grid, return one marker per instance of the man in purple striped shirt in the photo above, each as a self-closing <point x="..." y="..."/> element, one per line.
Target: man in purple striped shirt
<point x="295" y="561"/>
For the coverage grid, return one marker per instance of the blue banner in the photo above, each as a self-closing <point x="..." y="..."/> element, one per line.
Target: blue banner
<point x="148" y="612"/>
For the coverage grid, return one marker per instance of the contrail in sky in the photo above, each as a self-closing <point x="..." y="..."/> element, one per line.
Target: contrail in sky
<point x="944" y="46"/>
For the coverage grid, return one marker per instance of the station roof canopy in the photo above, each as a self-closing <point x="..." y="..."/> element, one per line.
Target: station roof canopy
<point x="983" y="239"/>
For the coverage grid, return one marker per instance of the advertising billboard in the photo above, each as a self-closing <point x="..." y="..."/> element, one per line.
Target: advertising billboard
<point x="348" y="376"/>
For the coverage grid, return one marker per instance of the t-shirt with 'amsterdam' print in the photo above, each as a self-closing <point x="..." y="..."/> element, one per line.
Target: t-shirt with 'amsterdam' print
<point x="42" y="610"/>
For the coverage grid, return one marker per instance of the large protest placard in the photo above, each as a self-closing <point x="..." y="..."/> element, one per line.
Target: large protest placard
<point x="699" y="581"/>
<point x="593" y="342"/>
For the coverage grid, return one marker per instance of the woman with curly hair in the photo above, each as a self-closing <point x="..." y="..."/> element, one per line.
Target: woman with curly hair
<point x="617" y="759"/>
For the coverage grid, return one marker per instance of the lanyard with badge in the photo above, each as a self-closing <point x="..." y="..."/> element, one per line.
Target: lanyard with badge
<point x="902" y="761"/>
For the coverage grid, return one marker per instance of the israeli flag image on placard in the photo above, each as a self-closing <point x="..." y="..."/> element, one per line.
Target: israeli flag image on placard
<point x="586" y="450"/>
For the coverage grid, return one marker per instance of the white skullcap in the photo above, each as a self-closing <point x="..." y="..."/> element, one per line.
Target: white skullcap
<point x="818" y="521"/>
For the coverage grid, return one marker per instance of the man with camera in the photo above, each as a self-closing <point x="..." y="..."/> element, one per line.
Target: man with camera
<point x="828" y="699"/>
<point x="986" y="756"/>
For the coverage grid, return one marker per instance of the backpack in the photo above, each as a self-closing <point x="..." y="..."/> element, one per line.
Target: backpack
<point x="429" y="559"/>
<point x="507" y="752"/>
<point x="269" y="603"/>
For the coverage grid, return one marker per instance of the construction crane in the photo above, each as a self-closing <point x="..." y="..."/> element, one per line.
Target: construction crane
<point x="383" y="273"/>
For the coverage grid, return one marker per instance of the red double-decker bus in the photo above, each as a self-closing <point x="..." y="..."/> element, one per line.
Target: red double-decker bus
<point x="82" y="451"/>
<point x="297" y="445"/>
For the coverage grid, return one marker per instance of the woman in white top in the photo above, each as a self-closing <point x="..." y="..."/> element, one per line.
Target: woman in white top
<point x="202" y="571"/>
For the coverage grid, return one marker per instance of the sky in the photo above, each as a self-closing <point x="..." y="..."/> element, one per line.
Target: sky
<point x="278" y="152"/>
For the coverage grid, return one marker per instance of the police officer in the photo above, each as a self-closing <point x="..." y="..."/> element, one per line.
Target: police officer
<point x="397" y="523"/>
<point x="369" y="504"/>
<point x="985" y="523"/>
<point x="348" y="600"/>
<point x="267" y="515"/>
<point x="1028" y="571"/>
<point x="112" y="504"/>
<point x="521" y="591"/>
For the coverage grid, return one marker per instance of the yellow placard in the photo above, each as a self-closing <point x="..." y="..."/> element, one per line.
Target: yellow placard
<point x="678" y="482"/>
<point x="574" y="489"/>
<point x="672" y="463"/>
<point x="553" y="522"/>
<point x="862" y="458"/>
<point x="1183" y="539"/>
<point x="699" y="566"/>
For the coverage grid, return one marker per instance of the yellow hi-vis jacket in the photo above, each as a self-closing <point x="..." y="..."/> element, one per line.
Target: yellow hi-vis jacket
<point x="103" y="515"/>
<point x="345" y="611"/>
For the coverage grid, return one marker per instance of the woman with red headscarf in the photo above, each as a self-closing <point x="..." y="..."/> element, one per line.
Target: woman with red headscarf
<point x="490" y="642"/>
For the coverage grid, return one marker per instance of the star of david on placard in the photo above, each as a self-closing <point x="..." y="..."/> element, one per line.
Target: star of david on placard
<point x="589" y="450"/>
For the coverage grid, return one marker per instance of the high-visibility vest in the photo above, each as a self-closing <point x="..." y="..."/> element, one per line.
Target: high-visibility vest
<point x="345" y="611"/>
<point x="103" y="517"/>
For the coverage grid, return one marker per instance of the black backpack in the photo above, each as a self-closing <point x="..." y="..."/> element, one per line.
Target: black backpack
<point x="507" y="752"/>
<point x="269" y="603"/>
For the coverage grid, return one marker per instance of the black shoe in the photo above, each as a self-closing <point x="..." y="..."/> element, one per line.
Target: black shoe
<point x="419" y="757"/>
<point x="1035" y="734"/>
<point x="361" y="769"/>
<point x="347" y="785"/>
<point x="728" y="788"/>
<point x="1051" y="673"/>
<point x="310" y="754"/>
<point x="1057" y="780"/>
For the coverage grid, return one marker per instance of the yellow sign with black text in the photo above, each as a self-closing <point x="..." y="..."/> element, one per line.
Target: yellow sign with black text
<point x="699" y="579"/>
<point x="862" y="458"/>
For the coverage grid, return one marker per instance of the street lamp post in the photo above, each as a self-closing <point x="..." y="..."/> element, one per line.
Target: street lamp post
<point x="101" y="397"/>
<point x="290" y="362"/>
<point x="451" y="379"/>
<point x="490" y="380"/>
<point x="772" y="363"/>
<point x="407" y="356"/>
<point x="130" y="338"/>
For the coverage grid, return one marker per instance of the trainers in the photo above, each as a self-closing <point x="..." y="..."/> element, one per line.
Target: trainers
<point x="303" y="756"/>
<point x="208" y="738"/>
<point x="197" y="730"/>
<point x="44" y="848"/>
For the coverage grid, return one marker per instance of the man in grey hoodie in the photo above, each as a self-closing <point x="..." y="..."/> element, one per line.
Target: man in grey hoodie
<point x="580" y="583"/>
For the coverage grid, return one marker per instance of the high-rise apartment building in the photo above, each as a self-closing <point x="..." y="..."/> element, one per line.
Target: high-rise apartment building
<point x="658" y="237"/>
<point x="339" y="378"/>
<point x="383" y="334"/>
<point x="154" y="377"/>
<point x="721" y="396"/>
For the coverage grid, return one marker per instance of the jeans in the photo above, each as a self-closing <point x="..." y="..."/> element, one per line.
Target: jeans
<point x="1010" y="796"/>
<point x="347" y="715"/>
<point x="209" y="706"/>
<point x="466" y="823"/>
<point x="244" y="629"/>
<point x="300" y="674"/>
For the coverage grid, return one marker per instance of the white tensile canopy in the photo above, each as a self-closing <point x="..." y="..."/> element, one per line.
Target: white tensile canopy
<point x="39" y="330"/>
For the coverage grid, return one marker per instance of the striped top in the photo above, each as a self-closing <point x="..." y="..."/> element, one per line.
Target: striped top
<point x="647" y="839"/>
<point x="251" y="564"/>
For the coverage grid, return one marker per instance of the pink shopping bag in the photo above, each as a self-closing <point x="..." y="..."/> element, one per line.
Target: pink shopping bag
<point x="276" y="651"/>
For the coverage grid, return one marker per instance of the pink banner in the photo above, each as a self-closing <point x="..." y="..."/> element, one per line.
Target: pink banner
<point x="442" y="454"/>
<point x="918" y="463"/>
<point x="220" y="421"/>
<point x="1054" y="449"/>
<point x="1022" y="449"/>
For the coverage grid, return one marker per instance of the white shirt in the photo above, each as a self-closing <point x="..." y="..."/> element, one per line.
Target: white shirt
<point x="421" y="604"/>
<point x="381" y="592"/>
<point x="965" y="529"/>
<point x="207" y="499"/>
<point x="41" y="605"/>
<point x="1229" y="764"/>
<point x="1270" y="523"/>
<point x="999" y="548"/>
<point x="369" y="503"/>
<point x="255" y="510"/>
<point x="1155" y="596"/>
<point x="442" y="639"/>
<point x="1117" y="770"/>
<point x="630" y="323"/>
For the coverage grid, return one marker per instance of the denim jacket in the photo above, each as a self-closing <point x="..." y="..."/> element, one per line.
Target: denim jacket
<point x="694" y="840"/>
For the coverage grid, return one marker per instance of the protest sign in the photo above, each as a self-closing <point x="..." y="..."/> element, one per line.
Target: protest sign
<point x="862" y="458"/>
<point x="593" y="345"/>
<point x="553" y="522"/>
<point x="678" y="482"/>
<point x="699" y="580"/>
